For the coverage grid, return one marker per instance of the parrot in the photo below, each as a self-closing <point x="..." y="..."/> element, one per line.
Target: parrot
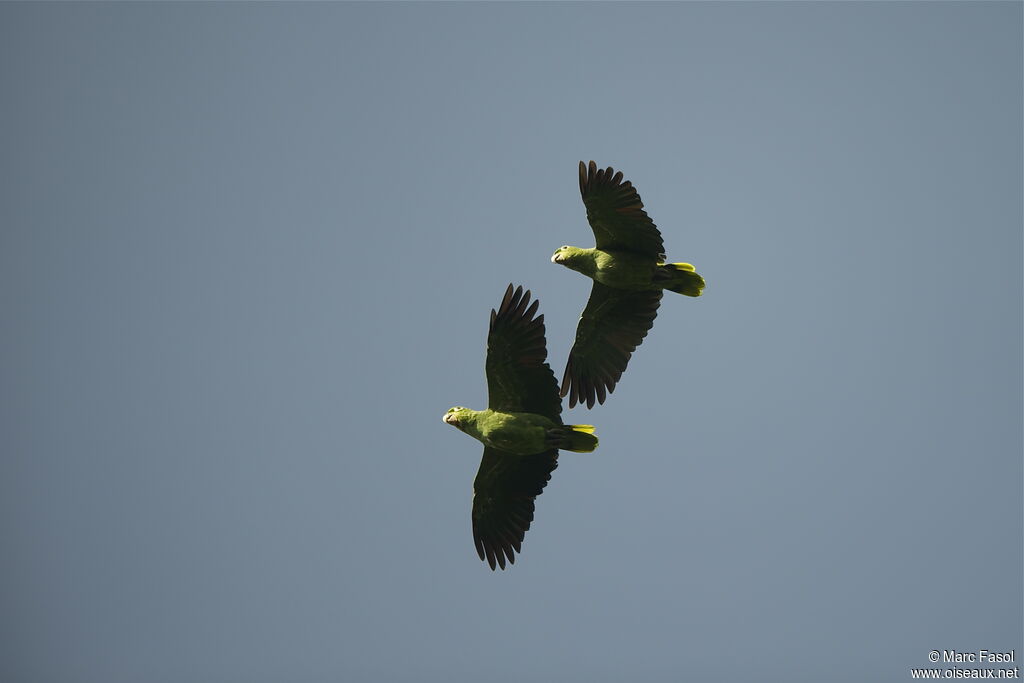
<point x="521" y="429"/>
<point x="629" y="273"/>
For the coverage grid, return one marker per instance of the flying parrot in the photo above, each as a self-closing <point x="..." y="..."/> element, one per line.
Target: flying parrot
<point x="521" y="429"/>
<point x="629" y="273"/>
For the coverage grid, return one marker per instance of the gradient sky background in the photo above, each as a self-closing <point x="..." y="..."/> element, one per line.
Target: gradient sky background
<point x="248" y="255"/>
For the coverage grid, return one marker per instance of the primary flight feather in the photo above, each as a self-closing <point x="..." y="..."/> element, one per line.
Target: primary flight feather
<point x="521" y="429"/>
<point x="629" y="272"/>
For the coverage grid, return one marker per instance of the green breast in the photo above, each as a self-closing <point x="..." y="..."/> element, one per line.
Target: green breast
<point x="518" y="433"/>
<point x="623" y="270"/>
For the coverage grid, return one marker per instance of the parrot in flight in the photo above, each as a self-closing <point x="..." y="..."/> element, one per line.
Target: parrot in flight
<point x="521" y="429"/>
<point x="629" y="273"/>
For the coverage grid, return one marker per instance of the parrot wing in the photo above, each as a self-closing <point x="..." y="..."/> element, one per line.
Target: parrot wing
<point x="616" y="214"/>
<point x="503" y="501"/>
<point x="518" y="378"/>
<point x="612" y="325"/>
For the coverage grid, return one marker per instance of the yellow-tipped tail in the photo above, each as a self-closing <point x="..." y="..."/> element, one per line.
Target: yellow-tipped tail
<point x="680" y="278"/>
<point x="580" y="439"/>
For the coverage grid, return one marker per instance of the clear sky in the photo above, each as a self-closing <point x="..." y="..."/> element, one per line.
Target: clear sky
<point x="247" y="257"/>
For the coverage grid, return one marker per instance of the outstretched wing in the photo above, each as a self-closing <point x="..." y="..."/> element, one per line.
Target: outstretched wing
<point x="616" y="214"/>
<point x="613" y="324"/>
<point x="503" y="494"/>
<point x="518" y="378"/>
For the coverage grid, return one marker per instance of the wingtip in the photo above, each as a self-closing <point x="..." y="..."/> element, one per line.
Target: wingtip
<point x="479" y="546"/>
<point x="511" y="299"/>
<point x="506" y="298"/>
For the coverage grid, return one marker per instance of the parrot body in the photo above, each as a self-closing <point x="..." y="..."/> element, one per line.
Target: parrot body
<point x="521" y="433"/>
<point x="521" y="429"/>
<point x="629" y="272"/>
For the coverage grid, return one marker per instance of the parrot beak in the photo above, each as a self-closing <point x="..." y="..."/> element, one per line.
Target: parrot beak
<point x="449" y="418"/>
<point x="554" y="257"/>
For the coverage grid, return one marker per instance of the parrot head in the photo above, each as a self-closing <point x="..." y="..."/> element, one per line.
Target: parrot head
<point x="453" y="415"/>
<point x="566" y="256"/>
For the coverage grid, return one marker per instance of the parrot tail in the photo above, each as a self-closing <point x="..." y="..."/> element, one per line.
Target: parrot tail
<point x="578" y="438"/>
<point x="680" y="278"/>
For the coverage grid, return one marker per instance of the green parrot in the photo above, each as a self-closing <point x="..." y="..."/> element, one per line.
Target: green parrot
<point x="521" y="429"/>
<point x="629" y="273"/>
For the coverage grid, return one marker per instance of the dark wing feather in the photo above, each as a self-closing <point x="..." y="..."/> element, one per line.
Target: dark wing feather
<point x="616" y="214"/>
<point x="518" y="378"/>
<point x="503" y="501"/>
<point x="613" y="324"/>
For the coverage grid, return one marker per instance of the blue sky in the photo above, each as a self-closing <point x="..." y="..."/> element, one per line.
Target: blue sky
<point x="248" y="256"/>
